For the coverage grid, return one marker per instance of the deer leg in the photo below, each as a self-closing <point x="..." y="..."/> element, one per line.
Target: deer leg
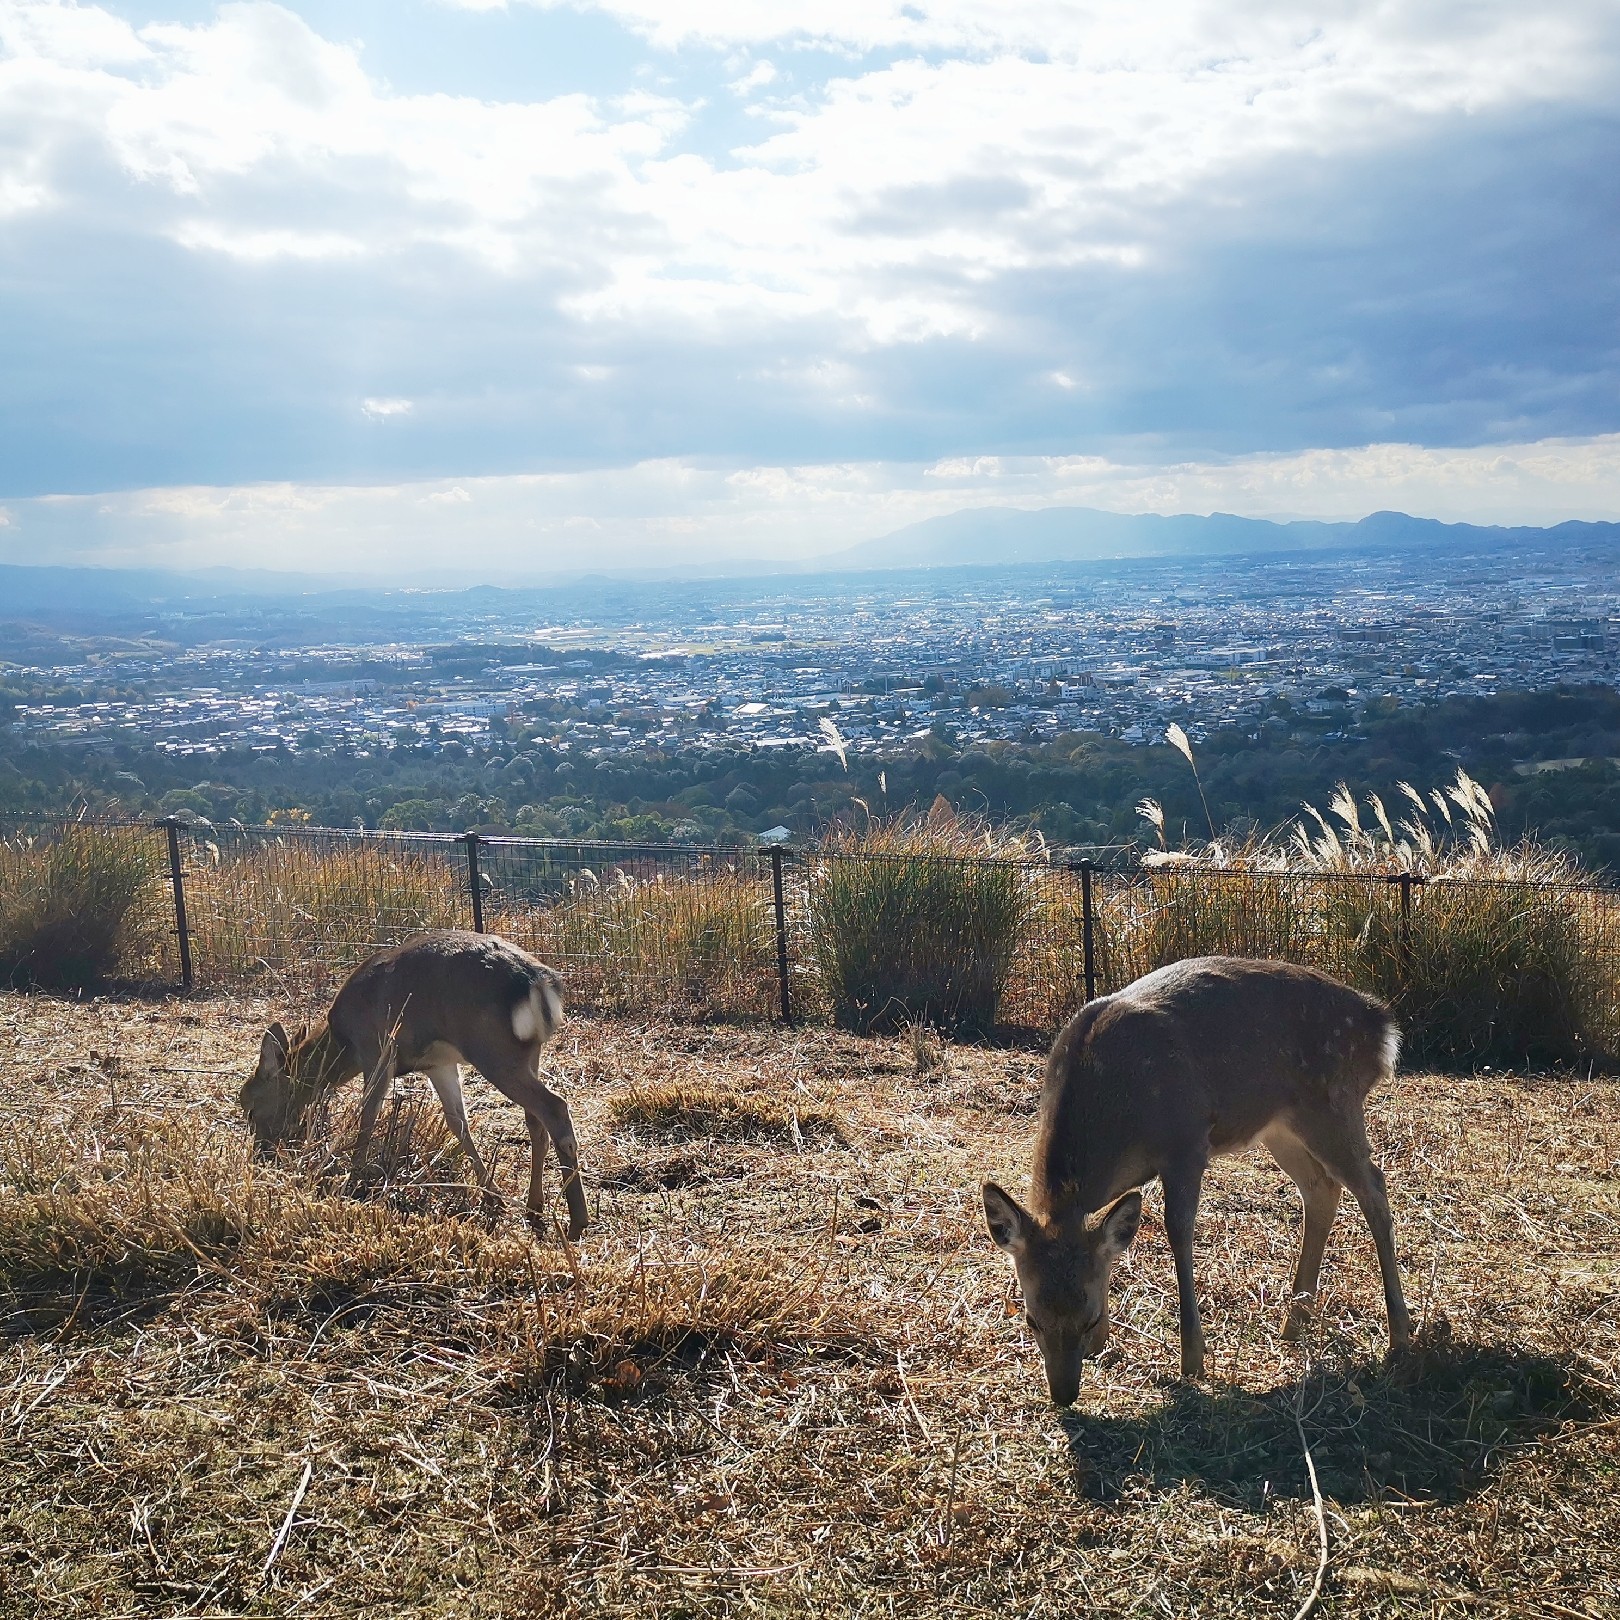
<point x="1319" y="1193"/>
<point x="560" y="1123"/>
<point x="515" y="1073"/>
<point x="379" y="1079"/>
<point x="550" y="1113"/>
<point x="1182" y="1185"/>
<point x="539" y="1141"/>
<point x="1343" y="1148"/>
<point x="447" y="1083"/>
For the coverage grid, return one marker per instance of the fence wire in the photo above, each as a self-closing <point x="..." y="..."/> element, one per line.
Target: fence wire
<point x="981" y="946"/>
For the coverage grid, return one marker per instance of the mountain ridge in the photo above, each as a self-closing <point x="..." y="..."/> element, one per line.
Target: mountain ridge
<point x="1088" y="534"/>
<point x="972" y="537"/>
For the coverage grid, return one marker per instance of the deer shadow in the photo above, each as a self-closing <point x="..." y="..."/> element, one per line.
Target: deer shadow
<point x="1436" y="1426"/>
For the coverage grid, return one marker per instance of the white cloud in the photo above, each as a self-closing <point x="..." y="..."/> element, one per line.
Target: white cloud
<point x="756" y="78"/>
<point x="1215" y="34"/>
<point x="889" y="198"/>
<point x="1221" y="224"/>
<point x="538" y="527"/>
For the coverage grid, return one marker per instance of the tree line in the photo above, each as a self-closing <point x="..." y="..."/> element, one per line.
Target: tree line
<point x="1548" y="759"/>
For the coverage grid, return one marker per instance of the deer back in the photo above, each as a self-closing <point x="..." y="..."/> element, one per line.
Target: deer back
<point x="471" y="993"/>
<point x="1194" y="1060"/>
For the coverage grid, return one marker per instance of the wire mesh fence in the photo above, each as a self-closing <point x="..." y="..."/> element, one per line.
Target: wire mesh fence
<point x="649" y="928"/>
<point x="1477" y="970"/>
<point x="82" y="900"/>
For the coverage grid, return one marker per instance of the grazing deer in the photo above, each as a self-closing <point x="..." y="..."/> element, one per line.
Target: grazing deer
<point x="1196" y="1060"/>
<point x="426" y="1007"/>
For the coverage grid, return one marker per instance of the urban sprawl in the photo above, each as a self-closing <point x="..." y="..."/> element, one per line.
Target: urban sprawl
<point x="972" y="655"/>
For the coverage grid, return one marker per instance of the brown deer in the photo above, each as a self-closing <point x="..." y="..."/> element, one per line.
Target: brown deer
<point x="1196" y="1060"/>
<point x="426" y="1007"/>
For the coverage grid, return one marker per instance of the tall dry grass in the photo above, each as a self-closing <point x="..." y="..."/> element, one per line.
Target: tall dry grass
<point x="302" y="910"/>
<point x="702" y="946"/>
<point x="1497" y="955"/>
<point x="80" y="906"/>
<point x="917" y="919"/>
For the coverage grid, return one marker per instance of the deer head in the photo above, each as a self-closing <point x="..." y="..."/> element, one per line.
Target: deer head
<point x="287" y="1080"/>
<point x="1063" y="1269"/>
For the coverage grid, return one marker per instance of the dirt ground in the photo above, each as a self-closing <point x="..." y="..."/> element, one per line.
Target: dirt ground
<point x="785" y="1371"/>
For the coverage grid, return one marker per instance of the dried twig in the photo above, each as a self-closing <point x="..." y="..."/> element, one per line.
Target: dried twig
<point x="1314" y="1595"/>
<point x="280" y="1542"/>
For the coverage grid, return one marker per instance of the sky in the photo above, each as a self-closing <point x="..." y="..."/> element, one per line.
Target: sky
<point x="528" y="288"/>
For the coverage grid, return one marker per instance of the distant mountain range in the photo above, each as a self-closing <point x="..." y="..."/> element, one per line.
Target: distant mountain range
<point x="995" y="536"/>
<point x="1011" y="535"/>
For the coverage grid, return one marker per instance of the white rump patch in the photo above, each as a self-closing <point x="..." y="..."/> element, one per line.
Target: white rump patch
<point x="1392" y="1047"/>
<point x="525" y="1019"/>
<point x="538" y="1014"/>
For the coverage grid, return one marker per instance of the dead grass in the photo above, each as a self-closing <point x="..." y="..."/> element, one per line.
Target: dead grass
<point x="788" y="1378"/>
<point x="680" y="1109"/>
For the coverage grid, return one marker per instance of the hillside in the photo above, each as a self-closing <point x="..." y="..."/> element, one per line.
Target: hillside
<point x="783" y="1373"/>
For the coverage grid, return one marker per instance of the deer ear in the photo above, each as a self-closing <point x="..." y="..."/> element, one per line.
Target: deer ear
<point x="1116" y="1229"/>
<point x="1010" y="1223"/>
<point x="273" y="1050"/>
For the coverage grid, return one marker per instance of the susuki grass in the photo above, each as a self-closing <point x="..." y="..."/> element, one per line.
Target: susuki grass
<point x="914" y="920"/>
<point x="1493" y="954"/>
<point x="79" y="906"/>
<point x="798" y="1385"/>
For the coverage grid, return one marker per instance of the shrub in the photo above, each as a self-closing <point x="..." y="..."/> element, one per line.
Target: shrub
<point x="917" y="920"/>
<point x="79" y="907"/>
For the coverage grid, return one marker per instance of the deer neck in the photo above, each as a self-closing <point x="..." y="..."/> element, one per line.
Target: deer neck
<point x="320" y="1061"/>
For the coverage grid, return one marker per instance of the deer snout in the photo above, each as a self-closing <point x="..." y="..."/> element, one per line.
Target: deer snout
<point x="1063" y="1354"/>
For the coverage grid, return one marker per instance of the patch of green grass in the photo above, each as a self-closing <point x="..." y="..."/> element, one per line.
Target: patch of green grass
<point x="917" y="920"/>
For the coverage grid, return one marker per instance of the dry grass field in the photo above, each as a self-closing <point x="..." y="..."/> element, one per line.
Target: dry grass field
<point x="783" y="1373"/>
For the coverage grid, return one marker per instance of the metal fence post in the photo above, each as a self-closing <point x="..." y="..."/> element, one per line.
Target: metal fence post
<point x="177" y="881"/>
<point x="475" y="884"/>
<point x="781" y="934"/>
<point x="1088" y="930"/>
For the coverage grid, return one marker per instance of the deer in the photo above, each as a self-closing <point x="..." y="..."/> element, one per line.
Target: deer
<point x="1189" y="1063"/>
<point x="425" y="1007"/>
